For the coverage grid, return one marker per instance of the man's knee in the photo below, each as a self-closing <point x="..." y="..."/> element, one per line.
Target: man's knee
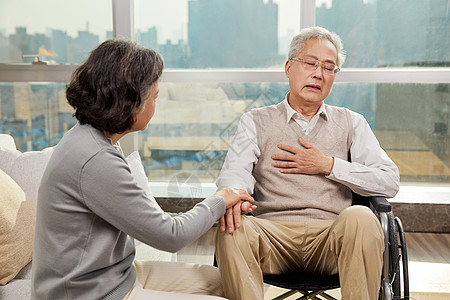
<point x="239" y="236"/>
<point x="361" y="221"/>
<point x="235" y="248"/>
<point x="360" y="215"/>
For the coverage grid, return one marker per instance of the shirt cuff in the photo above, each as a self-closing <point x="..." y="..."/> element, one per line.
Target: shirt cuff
<point x="340" y="168"/>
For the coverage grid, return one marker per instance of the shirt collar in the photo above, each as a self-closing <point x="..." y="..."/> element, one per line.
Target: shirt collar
<point x="290" y="112"/>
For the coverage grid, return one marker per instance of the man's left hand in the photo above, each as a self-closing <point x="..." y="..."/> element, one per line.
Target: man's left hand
<point x="308" y="160"/>
<point x="232" y="217"/>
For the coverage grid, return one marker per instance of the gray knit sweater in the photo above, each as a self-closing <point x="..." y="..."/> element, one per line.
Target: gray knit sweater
<point x="89" y="210"/>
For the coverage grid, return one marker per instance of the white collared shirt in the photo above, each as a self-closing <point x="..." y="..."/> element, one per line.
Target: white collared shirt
<point x="306" y="125"/>
<point x="370" y="173"/>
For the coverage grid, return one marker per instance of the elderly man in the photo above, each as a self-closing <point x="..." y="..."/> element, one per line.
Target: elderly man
<point x="301" y="159"/>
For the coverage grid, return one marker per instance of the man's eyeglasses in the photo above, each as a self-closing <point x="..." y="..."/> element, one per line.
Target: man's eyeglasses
<point x="311" y="64"/>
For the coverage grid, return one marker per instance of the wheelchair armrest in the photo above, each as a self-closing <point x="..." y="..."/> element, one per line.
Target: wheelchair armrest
<point x="380" y="204"/>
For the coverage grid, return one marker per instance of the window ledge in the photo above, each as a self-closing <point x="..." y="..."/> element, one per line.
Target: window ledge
<point x="408" y="193"/>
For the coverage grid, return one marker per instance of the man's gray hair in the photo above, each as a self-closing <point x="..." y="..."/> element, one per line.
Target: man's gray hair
<point x="316" y="33"/>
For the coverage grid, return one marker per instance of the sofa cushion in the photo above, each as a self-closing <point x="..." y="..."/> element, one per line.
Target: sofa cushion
<point x="27" y="168"/>
<point x="17" y="289"/>
<point x="7" y="158"/>
<point x="17" y="223"/>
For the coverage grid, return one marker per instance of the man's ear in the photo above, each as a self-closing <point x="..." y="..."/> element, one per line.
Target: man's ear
<point x="287" y="68"/>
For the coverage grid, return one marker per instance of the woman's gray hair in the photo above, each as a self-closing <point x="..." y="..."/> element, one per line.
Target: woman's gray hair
<point x="316" y="33"/>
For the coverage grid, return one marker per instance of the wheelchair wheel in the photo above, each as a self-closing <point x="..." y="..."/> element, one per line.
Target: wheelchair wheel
<point x="394" y="261"/>
<point x="402" y="246"/>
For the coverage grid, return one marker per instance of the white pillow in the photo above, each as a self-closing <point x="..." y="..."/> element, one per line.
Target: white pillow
<point x="27" y="170"/>
<point x="7" y="141"/>
<point x="138" y="172"/>
<point x="7" y="158"/>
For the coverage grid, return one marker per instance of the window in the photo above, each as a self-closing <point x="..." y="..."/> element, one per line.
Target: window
<point x="218" y="34"/>
<point x="390" y="33"/>
<point x="397" y="75"/>
<point x="413" y="131"/>
<point x="58" y="32"/>
<point x="194" y="124"/>
<point x="36" y="114"/>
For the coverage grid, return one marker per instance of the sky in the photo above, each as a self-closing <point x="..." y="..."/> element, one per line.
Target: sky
<point x="69" y="16"/>
<point x="169" y="16"/>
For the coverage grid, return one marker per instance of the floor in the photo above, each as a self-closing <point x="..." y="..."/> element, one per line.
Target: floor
<point x="428" y="256"/>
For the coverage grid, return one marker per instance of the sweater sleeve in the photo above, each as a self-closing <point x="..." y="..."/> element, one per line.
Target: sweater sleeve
<point x="110" y="191"/>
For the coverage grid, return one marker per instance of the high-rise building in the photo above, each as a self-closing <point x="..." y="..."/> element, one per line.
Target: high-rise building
<point x="232" y="33"/>
<point x="149" y="38"/>
<point x="402" y="40"/>
<point x="438" y="47"/>
<point x="83" y="45"/>
<point x="175" y="55"/>
<point x="354" y="22"/>
<point x="60" y="45"/>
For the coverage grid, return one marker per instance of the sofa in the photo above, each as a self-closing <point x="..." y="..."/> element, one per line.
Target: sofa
<point x="20" y="175"/>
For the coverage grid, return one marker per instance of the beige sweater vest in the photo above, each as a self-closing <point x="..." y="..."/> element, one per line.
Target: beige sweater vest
<point x="300" y="197"/>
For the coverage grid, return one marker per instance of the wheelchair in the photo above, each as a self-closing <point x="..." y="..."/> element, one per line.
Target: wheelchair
<point x="310" y="286"/>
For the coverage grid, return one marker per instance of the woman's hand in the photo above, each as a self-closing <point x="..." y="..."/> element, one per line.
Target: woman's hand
<point x="233" y="196"/>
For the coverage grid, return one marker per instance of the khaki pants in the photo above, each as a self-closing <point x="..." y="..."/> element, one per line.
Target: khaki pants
<point x="351" y="245"/>
<point x="175" y="281"/>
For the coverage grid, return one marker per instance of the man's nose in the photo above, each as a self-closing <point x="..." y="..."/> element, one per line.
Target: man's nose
<point x="318" y="72"/>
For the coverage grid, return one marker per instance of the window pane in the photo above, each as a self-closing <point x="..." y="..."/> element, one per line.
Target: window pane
<point x="412" y="123"/>
<point x="194" y="123"/>
<point x="57" y="31"/>
<point x="390" y="33"/>
<point x="219" y="34"/>
<point x="413" y="131"/>
<point x="35" y="114"/>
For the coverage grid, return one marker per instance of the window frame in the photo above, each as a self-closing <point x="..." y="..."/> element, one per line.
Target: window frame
<point x="123" y="27"/>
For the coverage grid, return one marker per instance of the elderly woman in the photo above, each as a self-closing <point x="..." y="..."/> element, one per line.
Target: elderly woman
<point x="90" y="207"/>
